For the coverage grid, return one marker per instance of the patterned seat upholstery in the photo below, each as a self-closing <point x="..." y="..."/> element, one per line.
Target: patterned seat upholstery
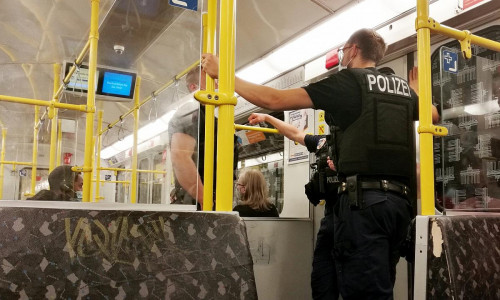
<point x="103" y="254"/>
<point x="464" y="257"/>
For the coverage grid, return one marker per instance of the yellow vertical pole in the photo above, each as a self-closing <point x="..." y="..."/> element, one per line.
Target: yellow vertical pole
<point x="2" y="159"/>
<point x="424" y="106"/>
<point x="35" y="152"/>
<point x="225" y="130"/>
<point x="98" y="159"/>
<point x="89" y="128"/>
<point x="92" y="199"/>
<point x="59" y="143"/>
<point x="209" y="24"/>
<point x="133" y="189"/>
<point x="54" y="120"/>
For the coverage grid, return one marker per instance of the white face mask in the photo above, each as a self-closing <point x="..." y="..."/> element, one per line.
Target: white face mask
<point x="341" y="59"/>
<point x="79" y="195"/>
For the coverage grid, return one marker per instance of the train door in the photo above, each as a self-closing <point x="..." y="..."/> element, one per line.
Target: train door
<point x="122" y="190"/>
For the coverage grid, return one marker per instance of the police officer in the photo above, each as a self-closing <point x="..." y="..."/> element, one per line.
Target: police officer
<point x="375" y="154"/>
<point x="323" y="275"/>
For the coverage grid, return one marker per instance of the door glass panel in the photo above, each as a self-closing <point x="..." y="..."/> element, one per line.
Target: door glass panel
<point x="143" y="182"/>
<point x="467" y="160"/>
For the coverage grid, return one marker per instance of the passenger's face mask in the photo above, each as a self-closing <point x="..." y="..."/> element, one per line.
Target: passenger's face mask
<point x="79" y="195"/>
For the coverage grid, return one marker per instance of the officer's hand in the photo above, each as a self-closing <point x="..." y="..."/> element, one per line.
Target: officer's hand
<point x="330" y="163"/>
<point x="210" y="64"/>
<point x="256" y="118"/>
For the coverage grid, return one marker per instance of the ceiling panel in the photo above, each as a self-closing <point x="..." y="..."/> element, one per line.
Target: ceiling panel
<point x="262" y="25"/>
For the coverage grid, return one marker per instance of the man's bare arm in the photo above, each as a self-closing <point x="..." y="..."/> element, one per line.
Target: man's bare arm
<point x="182" y="147"/>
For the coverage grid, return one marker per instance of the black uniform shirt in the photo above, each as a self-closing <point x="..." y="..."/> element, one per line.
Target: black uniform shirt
<point x="338" y="95"/>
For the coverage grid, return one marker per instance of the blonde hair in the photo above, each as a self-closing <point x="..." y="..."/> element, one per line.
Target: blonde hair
<point x="255" y="194"/>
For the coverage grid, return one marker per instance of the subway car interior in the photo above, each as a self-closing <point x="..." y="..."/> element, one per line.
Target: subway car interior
<point x="106" y="87"/>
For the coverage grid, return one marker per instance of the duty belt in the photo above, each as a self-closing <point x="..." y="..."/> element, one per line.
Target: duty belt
<point x="382" y="184"/>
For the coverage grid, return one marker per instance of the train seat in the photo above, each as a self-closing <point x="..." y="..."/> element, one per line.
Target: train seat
<point x="121" y="254"/>
<point x="463" y="257"/>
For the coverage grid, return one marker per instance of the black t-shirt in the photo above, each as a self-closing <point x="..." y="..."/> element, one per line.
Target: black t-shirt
<point x="190" y="120"/>
<point x="247" y="211"/>
<point x="339" y="95"/>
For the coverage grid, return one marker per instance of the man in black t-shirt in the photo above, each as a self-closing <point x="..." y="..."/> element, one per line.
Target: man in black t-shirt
<point x="375" y="114"/>
<point x="187" y="146"/>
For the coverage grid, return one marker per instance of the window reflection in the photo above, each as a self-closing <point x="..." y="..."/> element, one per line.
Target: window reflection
<point x="467" y="169"/>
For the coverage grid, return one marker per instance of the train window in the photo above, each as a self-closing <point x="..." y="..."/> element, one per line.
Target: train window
<point x="263" y="152"/>
<point x="467" y="160"/>
<point x="42" y="183"/>
<point x="143" y="182"/>
<point x="158" y="179"/>
<point x="271" y="166"/>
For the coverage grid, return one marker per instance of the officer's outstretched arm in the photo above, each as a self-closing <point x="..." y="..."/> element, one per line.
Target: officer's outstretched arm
<point x="288" y="130"/>
<point x="262" y="96"/>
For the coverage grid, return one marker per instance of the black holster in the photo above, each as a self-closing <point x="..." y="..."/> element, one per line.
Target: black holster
<point x="354" y="192"/>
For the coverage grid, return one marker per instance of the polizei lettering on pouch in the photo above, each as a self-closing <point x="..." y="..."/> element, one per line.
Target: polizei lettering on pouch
<point x="388" y="85"/>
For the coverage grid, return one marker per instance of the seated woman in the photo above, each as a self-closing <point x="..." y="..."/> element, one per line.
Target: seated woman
<point x="252" y="189"/>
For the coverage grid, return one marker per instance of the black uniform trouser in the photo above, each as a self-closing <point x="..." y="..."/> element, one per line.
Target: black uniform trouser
<point x="367" y="243"/>
<point x="323" y="276"/>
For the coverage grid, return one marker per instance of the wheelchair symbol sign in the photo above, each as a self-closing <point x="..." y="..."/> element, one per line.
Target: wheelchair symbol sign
<point x="450" y="61"/>
<point x="187" y="4"/>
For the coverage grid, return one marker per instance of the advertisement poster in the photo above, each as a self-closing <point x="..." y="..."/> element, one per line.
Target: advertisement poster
<point x="303" y="119"/>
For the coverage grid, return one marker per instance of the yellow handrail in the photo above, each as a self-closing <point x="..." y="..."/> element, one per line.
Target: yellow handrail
<point x="38" y="102"/>
<point x="35" y="153"/>
<point x="98" y="160"/>
<point x="130" y="170"/>
<point x="133" y="191"/>
<point x="255" y="128"/>
<point x="225" y="130"/>
<point x="54" y="121"/>
<point x="89" y="128"/>
<point x="59" y="143"/>
<point x="209" y="28"/>
<point x="16" y="163"/>
<point x="78" y="61"/>
<point x="112" y="181"/>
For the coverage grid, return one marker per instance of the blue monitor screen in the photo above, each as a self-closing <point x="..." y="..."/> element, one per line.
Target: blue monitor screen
<point x="117" y="84"/>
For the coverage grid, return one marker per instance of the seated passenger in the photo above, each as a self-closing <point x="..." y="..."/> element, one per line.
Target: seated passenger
<point x="64" y="184"/>
<point x="252" y="189"/>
